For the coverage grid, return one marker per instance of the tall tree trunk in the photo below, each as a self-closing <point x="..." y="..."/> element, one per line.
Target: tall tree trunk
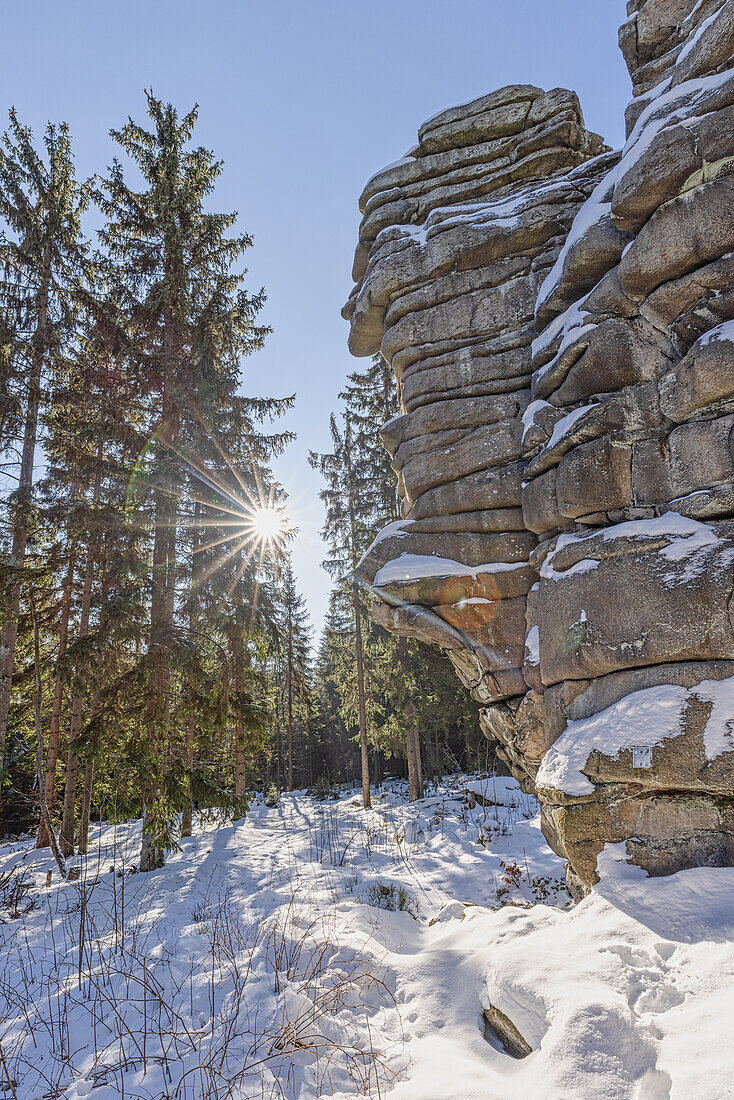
<point x="290" y="700"/>
<point x="366" y="800"/>
<point x="240" y="764"/>
<point x="152" y="853"/>
<point x="86" y="807"/>
<point x="187" y="813"/>
<point x="418" y="762"/>
<point x="410" y="754"/>
<point x="43" y="839"/>
<point x="365" y="759"/>
<point x="45" y="817"/>
<point x="240" y="760"/>
<point x="9" y="633"/>
<point x="278" y="752"/>
<point x="415" y="771"/>
<point x="412" y="740"/>
<point x="66" y="835"/>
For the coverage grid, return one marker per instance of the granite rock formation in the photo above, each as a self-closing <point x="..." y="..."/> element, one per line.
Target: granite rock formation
<point x="455" y="243"/>
<point x="560" y="321"/>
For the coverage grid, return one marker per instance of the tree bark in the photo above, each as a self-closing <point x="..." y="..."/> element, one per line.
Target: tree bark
<point x="152" y="853"/>
<point x="413" y="753"/>
<point x="240" y="764"/>
<point x="290" y="700"/>
<point x="418" y="763"/>
<point x="66" y="835"/>
<point x="45" y="817"/>
<point x="187" y="813"/>
<point x="412" y="767"/>
<point x="278" y="753"/>
<point x="86" y="807"/>
<point x="240" y="759"/>
<point x="43" y="839"/>
<point x="359" y="648"/>
<point x="366" y="800"/>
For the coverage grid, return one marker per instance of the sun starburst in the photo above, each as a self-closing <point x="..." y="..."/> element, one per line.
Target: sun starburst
<point x="267" y="523"/>
<point x="241" y="519"/>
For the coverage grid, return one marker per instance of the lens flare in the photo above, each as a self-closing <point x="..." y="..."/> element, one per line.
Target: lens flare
<point x="242" y="519"/>
<point x="267" y="524"/>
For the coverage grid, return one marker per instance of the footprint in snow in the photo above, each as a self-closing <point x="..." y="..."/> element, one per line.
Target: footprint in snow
<point x="657" y="999"/>
<point x="649" y="992"/>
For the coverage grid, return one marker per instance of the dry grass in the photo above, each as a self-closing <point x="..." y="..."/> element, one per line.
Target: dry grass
<point x="114" y="1005"/>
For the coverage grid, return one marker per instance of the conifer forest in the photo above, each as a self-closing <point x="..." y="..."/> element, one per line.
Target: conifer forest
<point x="157" y="656"/>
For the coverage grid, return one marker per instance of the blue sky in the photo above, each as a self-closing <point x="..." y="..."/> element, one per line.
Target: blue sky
<point x="303" y="101"/>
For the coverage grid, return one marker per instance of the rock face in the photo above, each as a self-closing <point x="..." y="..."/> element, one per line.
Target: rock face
<point x="455" y="243"/>
<point x="560" y="320"/>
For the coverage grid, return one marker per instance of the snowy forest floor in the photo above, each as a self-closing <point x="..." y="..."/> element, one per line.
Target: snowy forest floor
<point x="317" y="950"/>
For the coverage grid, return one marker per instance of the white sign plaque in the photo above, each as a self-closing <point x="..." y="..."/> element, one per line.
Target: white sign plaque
<point x="641" y="756"/>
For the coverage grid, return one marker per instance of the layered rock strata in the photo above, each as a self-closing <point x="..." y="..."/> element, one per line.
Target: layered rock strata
<point x="455" y="242"/>
<point x="561" y="324"/>
<point x="629" y="472"/>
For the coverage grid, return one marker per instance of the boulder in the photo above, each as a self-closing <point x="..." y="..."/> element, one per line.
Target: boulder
<point x="677" y="577"/>
<point x="482" y="449"/>
<point x="685" y="233"/>
<point x="703" y="380"/>
<point x="595" y="477"/>
<point x="664" y="832"/>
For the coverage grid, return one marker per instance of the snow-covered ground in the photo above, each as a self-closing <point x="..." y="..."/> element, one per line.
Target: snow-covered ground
<point x="317" y="950"/>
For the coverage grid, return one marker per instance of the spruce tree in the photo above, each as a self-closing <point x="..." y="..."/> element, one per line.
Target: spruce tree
<point x="91" y="444"/>
<point x="295" y="648"/>
<point x="344" y="532"/>
<point x="43" y="260"/>
<point x="187" y="322"/>
<point x="333" y="679"/>
<point x="370" y="400"/>
<point x="407" y="686"/>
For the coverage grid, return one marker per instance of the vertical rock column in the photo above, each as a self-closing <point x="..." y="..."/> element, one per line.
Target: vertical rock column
<point x="455" y="242"/>
<point x="630" y="474"/>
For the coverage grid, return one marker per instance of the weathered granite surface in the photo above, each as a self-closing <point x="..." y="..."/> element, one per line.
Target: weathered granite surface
<point x="560" y="321"/>
<point x="455" y="242"/>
